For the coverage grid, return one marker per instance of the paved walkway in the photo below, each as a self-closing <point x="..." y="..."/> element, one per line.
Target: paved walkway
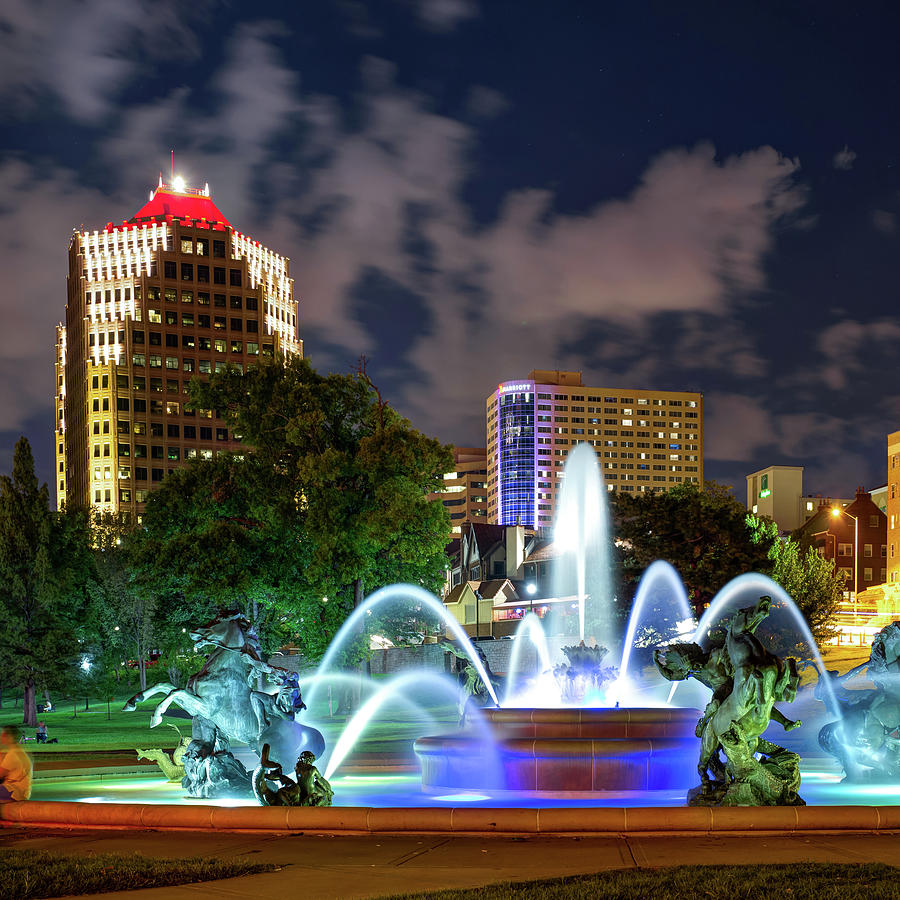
<point x="322" y="867"/>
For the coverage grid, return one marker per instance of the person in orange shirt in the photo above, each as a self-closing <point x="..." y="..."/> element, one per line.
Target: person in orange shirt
<point x="15" y="766"/>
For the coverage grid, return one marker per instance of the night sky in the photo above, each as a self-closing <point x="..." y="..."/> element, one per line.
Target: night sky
<point x="681" y="196"/>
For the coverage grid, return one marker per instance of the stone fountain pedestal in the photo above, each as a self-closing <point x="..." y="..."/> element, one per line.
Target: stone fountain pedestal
<point x="566" y="750"/>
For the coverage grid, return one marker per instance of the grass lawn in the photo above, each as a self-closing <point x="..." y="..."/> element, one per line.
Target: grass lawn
<point x="36" y="873"/>
<point x="844" y="657"/>
<point x="794" y="881"/>
<point x="98" y="729"/>
<point x="92" y="730"/>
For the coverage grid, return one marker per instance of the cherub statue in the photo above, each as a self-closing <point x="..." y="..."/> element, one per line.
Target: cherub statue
<point x="310" y="788"/>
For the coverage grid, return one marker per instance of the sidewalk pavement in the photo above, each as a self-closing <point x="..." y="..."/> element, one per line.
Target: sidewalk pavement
<point x="321" y="867"/>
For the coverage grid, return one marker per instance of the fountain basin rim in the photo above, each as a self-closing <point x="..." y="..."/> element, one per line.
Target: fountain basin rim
<point x="452" y="820"/>
<point x="551" y="747"/>
<point x="591" y="713"/>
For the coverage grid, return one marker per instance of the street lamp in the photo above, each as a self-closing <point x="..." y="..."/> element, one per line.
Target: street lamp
<point x="836" y="512"/>
<point x="531" y="590"/>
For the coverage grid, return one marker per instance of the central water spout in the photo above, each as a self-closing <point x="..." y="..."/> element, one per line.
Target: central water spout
<point x="581" y="532"/>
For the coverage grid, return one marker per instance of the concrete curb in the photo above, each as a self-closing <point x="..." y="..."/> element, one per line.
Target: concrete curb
<point x="466" y="820"/>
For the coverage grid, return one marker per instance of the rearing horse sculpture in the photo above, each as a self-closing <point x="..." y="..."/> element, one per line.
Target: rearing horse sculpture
<point x="219" y="697"/>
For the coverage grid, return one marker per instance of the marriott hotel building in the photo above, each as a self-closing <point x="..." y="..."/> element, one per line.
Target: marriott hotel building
<point x="644" y="440"/>
<point x="174" y="293"/>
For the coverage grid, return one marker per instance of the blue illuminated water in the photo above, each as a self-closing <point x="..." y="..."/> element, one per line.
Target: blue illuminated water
<point x="820" y="786"/>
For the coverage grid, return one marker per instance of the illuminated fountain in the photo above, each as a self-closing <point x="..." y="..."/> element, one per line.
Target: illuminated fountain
<point x="585" y="740"/>
<point x="628" y="741"/>
<point x="582" y="533"/>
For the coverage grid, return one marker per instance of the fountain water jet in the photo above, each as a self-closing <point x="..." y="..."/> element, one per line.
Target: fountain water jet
<point x="530" y="626"/>
<point x="659" y="574"/>
<point x="582" y="532"/>
<point x="389" y="692"/>
<point x="394" y="592"/>
<point x="345" y="679"/>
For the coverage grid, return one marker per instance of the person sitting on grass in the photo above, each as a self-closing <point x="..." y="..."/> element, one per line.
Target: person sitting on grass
<point x="15" y="766"/>
<point x="40" y="733"/>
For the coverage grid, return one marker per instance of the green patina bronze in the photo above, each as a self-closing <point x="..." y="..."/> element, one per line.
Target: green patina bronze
<point x="472" y="689"/>
<point x="865" y="738"/>
<point x="309" y="789"/>
<point x="746" y="680"/>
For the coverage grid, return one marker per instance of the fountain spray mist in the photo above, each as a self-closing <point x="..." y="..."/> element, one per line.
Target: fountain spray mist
<point x="582" y="533"/>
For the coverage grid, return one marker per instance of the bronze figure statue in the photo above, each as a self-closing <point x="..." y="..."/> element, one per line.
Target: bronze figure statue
<point x="472" y="689"/>
<point x="865" y="737"/>
<point x="309" y="788"/>
<point x="746" y="680"/>
<point x="226" y="707"/>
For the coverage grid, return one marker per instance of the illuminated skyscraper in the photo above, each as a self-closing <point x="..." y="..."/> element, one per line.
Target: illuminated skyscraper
<point x="644" y="440"/>
<point x="174" y="292"/>
<point x="464" y="492"/>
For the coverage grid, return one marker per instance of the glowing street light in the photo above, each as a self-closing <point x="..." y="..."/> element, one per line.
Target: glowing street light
<point x="836" y="513"/>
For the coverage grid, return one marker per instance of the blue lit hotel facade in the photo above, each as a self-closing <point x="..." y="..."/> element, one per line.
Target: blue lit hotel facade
<point x="645" y="441"/>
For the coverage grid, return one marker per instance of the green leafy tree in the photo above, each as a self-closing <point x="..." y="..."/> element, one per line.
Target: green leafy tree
<point x="45" y="567"/>
<point x="221" y="534"/>
<point x="704" y="534"/>
<point x="357" y="476"/>
<point x="123" y="620"/>
<point x="811" y="580"/>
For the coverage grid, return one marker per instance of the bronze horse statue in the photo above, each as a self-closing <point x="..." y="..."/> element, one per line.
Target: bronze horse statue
<point x="220" y="697"/>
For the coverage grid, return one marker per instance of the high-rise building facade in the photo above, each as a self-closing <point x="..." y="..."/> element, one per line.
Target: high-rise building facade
<point x="893" y="509"/>
<point x="173" y="293"/>
<point x="777" y="492"/>
<point x="465" y="488"/>
<point x="644" y="440"/>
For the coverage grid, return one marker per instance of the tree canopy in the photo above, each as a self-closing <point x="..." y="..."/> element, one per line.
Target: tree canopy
<point x="45" y="567"/>
<point x="811" y="580"/>
<point x="704" y="534"/>
<point x="328" y="502"/>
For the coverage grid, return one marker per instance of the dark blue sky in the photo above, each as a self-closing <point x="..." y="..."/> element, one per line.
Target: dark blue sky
<point x="663" y="195"/>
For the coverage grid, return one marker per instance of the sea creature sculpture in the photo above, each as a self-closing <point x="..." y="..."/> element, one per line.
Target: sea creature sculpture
<point x="171" y="765"/>
<point x="472" y="689"/>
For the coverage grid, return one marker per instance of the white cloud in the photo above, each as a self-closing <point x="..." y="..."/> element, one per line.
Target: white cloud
<point x="485" y="102"/>
<point x="737" y="427"/>
<point x="843" y="160"/>
<point x="693" y="227"/>
<point x="847" y="348"/>
<point x="445" y="15"/>
<point x="87" y="53"/>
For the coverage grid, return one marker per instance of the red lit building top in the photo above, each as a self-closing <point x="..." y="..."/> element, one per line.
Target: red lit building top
<point x="179" y="202"/>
